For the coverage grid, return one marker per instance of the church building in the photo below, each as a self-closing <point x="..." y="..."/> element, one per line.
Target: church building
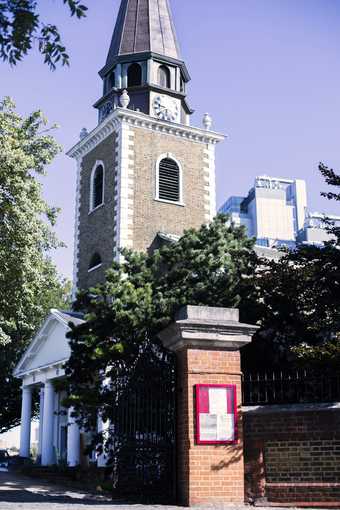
<point x="144" y="175"/>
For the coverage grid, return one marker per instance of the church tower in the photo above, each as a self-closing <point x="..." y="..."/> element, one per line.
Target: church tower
<point x="144" y="174"/>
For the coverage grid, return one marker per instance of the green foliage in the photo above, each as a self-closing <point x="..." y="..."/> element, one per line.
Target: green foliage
<point x="332" y="179"/>
<point x="21" y="27"/>
<point x="214" y="265"/>
<point x="325" y="355"/>
<point x="299" y="308"/>
<point x="29" y="282"/>
<point x="300" y="304"/>
<point x="295" y="300"/>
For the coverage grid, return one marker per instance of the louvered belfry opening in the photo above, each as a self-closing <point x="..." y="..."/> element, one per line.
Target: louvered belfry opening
<point x="169" y="180"/>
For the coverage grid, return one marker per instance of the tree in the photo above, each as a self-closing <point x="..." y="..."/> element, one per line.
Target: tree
<point x="331" y="179"/>
<point x="29" y="282"/>
<point x="299" y="306"/>
<point x="21" y="27"/>
<point x="214" y="265"/>
<point x="299" y="310"/>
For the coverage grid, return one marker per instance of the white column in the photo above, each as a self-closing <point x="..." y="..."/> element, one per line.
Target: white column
<point x="149" y="76"/>
<point x="104" y="428"/>
<point x="47" y="454"/>
<point x="124" y="76"/>
<point x="41" y="420"/>
<point x="26" y="415"/>
<point x="178" y="79"/>
<point x="73" y="441"/>
<point x="118" y="76"/>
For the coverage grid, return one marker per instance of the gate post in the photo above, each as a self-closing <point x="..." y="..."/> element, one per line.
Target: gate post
<point x="207" y="343"/>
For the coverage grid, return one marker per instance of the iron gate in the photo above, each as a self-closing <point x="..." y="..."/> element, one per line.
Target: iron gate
<point x="144" y="429"/>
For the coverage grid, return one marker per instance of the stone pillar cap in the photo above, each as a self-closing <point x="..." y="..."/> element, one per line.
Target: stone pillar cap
<point x="205" y="327"/>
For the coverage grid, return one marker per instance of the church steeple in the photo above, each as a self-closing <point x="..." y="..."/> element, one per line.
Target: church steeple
<point x="144" y="58"/>
<point x="144" y="25"/>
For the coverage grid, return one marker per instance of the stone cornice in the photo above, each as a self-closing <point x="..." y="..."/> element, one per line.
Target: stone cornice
<point x="145" y="55"/>
<point x="102" y="131"/>
<point x="140" y="120"/>
<point x="207" y="328"/>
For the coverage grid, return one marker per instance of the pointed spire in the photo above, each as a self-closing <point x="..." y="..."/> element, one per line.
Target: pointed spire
<point x="143" y="26"/>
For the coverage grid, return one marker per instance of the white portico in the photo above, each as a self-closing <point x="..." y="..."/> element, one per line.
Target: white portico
<point x="39" y="369"/>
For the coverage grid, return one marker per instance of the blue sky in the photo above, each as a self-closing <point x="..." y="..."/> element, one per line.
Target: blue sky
<point x="268" y="71"/>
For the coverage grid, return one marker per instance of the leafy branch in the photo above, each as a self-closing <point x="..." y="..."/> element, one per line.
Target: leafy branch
<point x="21" y="27"/>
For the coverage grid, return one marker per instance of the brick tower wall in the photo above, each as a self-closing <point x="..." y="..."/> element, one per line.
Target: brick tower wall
<point x="96" y="230"/>
<point x="130" y="156"/>
<point x="152" y="216"/>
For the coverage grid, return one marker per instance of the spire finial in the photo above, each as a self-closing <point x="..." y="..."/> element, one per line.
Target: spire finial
<point x="83" y="133"/>
<point x="207" y="121"/>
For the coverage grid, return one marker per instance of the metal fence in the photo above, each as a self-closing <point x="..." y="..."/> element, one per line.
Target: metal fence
<point x="290" y="387"/>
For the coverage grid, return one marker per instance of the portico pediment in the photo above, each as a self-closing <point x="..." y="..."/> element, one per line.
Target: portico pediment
<point x="49" y="347"/>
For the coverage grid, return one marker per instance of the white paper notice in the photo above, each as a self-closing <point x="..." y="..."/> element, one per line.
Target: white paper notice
<point x="218" y="401"/>
<point x="208" y="427"/>
<point x="225" y="427"/>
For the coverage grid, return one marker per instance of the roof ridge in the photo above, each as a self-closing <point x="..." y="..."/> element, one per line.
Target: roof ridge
<point x="160" y="24"/>
<point x="124" y="22"/>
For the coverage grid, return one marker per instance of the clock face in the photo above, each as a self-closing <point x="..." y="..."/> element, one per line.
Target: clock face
<point x="166" y="108"/>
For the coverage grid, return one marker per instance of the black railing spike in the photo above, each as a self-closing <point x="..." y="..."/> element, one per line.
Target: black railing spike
<point x="290" y="386"/>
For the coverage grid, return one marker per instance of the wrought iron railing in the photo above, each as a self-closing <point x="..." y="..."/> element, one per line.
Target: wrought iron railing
<point x="290" y="387"/>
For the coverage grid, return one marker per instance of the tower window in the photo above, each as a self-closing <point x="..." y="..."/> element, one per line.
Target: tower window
<point x="169" y="180"/>
<point x="97" y="187"/>
<point x="95" y="261"/>
<point x="134" y="75"/>
<point x="164" y="78"/>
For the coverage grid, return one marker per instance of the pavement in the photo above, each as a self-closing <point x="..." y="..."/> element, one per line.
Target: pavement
<point x="18" y="492"/>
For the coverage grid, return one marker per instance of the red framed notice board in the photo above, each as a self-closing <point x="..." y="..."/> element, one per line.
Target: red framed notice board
<point x="216" y="414"/>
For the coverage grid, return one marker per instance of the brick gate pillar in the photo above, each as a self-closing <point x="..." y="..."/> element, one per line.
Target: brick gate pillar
<point x="207" y="343"/>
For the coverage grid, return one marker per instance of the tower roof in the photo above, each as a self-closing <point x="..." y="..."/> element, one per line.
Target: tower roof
<point x="143" y="26"/>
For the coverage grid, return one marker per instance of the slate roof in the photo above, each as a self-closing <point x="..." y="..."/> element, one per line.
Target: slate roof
<point x="143" y="26"/>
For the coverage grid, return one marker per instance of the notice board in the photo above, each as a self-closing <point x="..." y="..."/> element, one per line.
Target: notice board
<point x="216" y="413"/>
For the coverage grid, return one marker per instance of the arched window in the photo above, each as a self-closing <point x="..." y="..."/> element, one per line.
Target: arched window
<point x="164" y="77"/>
<point x="134" y="75"/>
<point x="169" y="180"/>
<point x="95" y="261"/>
<point x="97" y="187"/>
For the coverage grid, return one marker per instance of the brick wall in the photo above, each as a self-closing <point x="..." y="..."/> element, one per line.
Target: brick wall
<point x="96" y="230"/>
<point x="147" y="216"/>
<point x="207" y="473"/>
<point x="293" y="455"/>
<point x="151" y="216"/>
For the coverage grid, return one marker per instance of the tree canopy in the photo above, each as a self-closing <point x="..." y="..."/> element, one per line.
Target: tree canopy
<point x="21" y="28"/>
<point x="214" y="265"/>
<point x="29" y="282"/>
<point x="299" y="309"/>
<point x="332" y="179"/>
<point x="295" y="299"/>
